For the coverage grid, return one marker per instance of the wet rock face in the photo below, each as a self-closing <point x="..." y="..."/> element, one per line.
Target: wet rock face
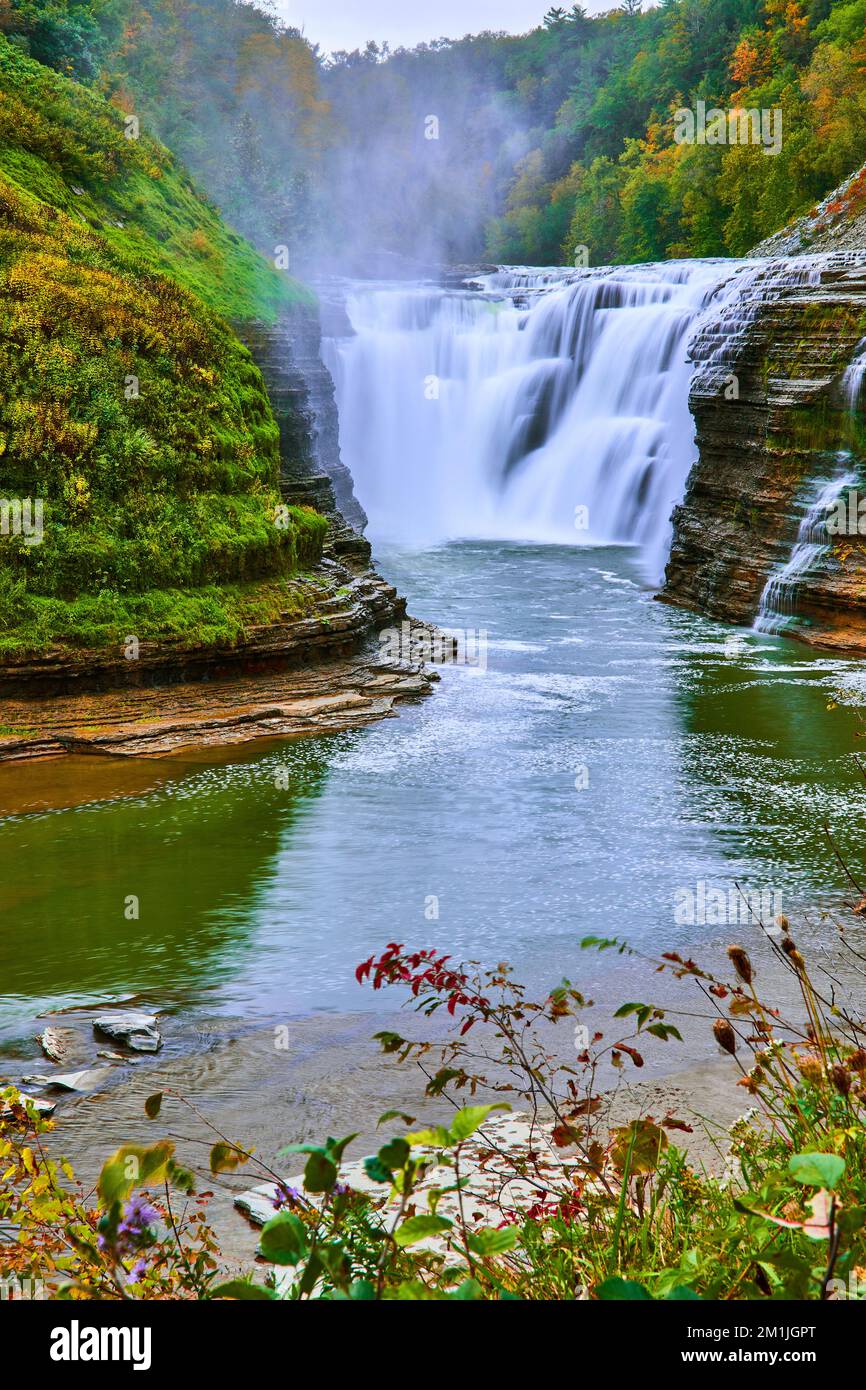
<point x="301" y="392"/>
<point x="771" y="419"/>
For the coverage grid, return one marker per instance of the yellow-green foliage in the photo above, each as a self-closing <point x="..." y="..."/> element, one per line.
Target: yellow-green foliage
<point x="128" y="406"/>
<point x="69" y="147"/>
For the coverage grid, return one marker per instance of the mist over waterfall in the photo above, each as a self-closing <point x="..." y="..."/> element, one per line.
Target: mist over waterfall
<point x="527" y="405"/>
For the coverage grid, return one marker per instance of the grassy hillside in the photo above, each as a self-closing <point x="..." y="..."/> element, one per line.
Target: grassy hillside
<point x="129" y="407"/>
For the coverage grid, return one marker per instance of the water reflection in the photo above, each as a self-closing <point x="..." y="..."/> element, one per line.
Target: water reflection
<point x="192" y="851"/>
<point x="613" y="751"/>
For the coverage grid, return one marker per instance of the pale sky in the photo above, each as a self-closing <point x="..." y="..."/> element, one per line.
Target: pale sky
<point x="350" y="23"/>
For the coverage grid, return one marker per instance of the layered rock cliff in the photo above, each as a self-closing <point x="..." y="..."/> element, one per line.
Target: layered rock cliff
<point x="773" y="418"/>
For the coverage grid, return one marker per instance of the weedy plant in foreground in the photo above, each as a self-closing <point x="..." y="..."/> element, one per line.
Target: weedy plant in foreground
<point x="622" y="1214"/>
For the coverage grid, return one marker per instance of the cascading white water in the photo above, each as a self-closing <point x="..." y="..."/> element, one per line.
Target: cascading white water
<point x="852" y="378"/>
<point x="778" y="606"/>
<point x="540" y="405"/>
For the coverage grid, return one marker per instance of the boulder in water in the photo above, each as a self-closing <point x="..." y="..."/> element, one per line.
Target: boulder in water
<point x="135" y="1030"/>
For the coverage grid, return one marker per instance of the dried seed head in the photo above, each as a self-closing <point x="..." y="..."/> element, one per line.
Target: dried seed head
<point x="782" y="921"/>
<point x="811" y="1069"/>
<point x="725" y="1036"/>
<point x="841" y="1078"/>
<point x="792" y="953"/>
<point x="741" y="963"/>
<point x="857" y="1060"/>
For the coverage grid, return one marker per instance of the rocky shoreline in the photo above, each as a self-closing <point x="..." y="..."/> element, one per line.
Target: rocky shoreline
<point x="157" y="721"/>
<point x="332" y="1079"/>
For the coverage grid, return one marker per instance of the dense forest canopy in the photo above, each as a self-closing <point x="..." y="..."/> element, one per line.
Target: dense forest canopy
<point x="517" y="149"/>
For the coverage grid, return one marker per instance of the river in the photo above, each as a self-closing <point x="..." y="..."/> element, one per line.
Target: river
<point x="602" y="757"/>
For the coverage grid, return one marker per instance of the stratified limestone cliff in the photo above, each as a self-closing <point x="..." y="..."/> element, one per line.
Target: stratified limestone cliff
<point x="301" y="393"/>
<point x="772" y="419"/>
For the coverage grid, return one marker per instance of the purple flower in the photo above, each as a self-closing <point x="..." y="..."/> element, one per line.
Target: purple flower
<point x="138" y="1215"/>
<point x="138" y="1271"/>
<point x="285" y="1196"/>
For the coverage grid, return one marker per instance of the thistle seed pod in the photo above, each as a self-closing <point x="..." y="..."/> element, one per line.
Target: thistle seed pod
<point x="792" y="953"/>
<point x="741" y="963"/>
<point x="841" y="1078"/>
<point x="811" y="1069"/>
<point x="725" y="1035"/>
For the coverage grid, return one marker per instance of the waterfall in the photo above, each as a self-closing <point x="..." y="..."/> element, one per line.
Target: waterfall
<point x="778" y="606"/>
<point x="852" y="378"/>
<point x="530" y="405"/>
<point x="541" y="405"/>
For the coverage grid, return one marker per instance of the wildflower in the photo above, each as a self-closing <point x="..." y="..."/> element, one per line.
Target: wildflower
<point x="138" y="1216"/>
<point x="137" y="1273"/>
<point x="285" y="1196"/>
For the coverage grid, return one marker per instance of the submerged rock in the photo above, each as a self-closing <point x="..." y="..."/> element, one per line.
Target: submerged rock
<point x="135" y="1030"/>
<point x="86" y="1080"/>
<point x="59" y="1043"/>
<point x="45" y="1107"/>
<point x="258" y="1204"/>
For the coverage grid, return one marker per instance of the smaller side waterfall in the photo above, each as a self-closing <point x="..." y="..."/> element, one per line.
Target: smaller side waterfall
<point x="852" y="378"/>
<point x="778" y="607"/>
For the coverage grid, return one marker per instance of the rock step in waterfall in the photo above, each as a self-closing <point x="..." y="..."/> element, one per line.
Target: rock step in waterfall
<point x="540" y="405"/>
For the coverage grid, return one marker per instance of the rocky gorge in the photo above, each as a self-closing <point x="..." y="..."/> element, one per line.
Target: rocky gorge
<point x="778" y="410"/>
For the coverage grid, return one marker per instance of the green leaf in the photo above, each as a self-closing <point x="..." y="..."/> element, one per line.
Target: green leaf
<point x="436" y="1085"/>
<point x="467" y="1120"/>
<point x="181" y="1178"/>
<point x="622" y="1290"/>
<point x="362" y="1291"/>
<point x="390" y="1042"/>
<point x="153" y="1105"/>
<point x="320" y="1174"/>
<point x="438" y="1138"/>
<point x="491" y="1241"/>
<point x="377" y="1171"/>
<point x="241" y="1290"/>
<point x="335" y="1148"/>
<point x="419" y="1228"/>
<point x="131" y="1166"/>
<point x="643" y="1012"/>
<point x="284" y="1239"/>
<point x="681" y="1293"/>
<point x="604" y="943"/>
<point x="817" y="1170"/>
<point x="665" y="1031"/>
<point x="469" y="1291"/>
<point x="395" y="1154"/>
<point x="225" y="1158"/>
<point x="638" y="1147"/>
<point x="395" y="1115"/>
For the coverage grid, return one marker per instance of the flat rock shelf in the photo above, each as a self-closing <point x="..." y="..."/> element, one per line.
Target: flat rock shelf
<point x="156" y="721"/>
